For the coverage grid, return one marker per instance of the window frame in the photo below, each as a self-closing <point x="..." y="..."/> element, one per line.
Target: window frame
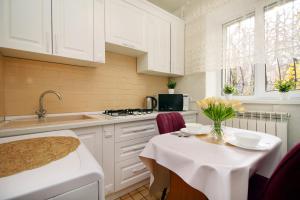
<point x="260" y="94"/>
<point x="224" y="42"/>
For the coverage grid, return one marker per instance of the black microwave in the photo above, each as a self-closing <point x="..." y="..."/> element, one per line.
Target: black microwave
<point x="170" y="102"/>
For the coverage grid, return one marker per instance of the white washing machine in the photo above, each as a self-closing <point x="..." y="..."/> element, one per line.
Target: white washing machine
<point x="77" y="176"/>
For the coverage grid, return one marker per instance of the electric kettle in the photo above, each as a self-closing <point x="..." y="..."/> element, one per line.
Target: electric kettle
<point x="151" y="102"/>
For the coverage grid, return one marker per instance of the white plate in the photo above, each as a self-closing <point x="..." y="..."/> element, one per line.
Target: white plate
<point x="261" y="146"/>
<point x="198" y="132"/>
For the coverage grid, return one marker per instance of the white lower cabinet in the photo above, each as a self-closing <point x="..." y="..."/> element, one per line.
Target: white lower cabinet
<point x="92" y="139"/>
<point x="133" y="130"/>
<point x="108" y="158"/>
<point x="117" y="148"/>
<point x="129" y="172"/>
<point x="131" y="148"/>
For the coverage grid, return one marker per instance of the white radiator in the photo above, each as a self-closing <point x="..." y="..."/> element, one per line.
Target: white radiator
<point x="273" y="123"/>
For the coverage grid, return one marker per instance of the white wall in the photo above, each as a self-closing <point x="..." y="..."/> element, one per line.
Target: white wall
<point x="199" y="45"/>
<point x="194" y="85"/>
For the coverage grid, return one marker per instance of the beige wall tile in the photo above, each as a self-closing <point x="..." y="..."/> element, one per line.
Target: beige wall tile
<point x="112" y="85"/>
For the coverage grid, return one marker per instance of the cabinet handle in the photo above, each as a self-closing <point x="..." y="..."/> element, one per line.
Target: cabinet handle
<point x="137" y="148"/>
<point x="138" y="170"/>
<point x="133" y="148"/>
<point x="140" y="130"/>
<point x="108" y="135"/>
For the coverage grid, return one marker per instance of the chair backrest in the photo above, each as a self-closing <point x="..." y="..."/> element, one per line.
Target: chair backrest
<point x="285" y="180"/>
<point x="169" y="122"/>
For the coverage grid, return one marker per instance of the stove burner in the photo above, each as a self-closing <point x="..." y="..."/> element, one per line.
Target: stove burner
<point x="126" y="112"/>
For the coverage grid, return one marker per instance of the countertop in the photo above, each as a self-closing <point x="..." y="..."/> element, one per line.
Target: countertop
<point x="97" y="119"/>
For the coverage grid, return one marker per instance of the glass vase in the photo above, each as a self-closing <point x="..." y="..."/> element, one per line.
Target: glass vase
<point x="217" y="132"/>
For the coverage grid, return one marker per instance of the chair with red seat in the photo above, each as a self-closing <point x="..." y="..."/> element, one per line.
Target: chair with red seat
<point x="284" y="183"/>
<point x="169" y="122"/>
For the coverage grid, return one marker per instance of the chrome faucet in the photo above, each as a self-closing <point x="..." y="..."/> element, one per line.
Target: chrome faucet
<point x="41" y="113"/>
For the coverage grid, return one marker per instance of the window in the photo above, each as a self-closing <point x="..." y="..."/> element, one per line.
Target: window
<point x="282" y="42"/>
<point x="238" y="55"/>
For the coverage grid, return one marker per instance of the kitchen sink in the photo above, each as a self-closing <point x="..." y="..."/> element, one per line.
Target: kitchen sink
<point x="28" y="122"/>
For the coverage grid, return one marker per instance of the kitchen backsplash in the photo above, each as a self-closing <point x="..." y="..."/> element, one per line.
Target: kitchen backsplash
<point x="1" y="88"/>
<point x="109" y="86"/>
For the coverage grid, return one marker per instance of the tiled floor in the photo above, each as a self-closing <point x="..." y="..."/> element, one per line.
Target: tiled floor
<point x="141" y="193"/>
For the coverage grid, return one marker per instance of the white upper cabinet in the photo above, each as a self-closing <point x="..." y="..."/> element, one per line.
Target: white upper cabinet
<point x="125" y="24"/>
<point x="177" y="47"/>
<point x="99" y="31"/>
<point x="70" y="29"/>
<point x="26" y="25"/>
<point x="73" y="32"/>
<point x="157" y="60"/>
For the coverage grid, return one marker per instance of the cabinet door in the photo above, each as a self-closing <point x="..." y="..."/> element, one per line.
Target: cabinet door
<point x="26" y="25"/>
<point x="177" y="47"/>
<point x="125" y="24"/>
<point x="73" y="32"/>
<point x="91" y="137"/>
<point x="99" y="31"/>
<point x="108" y="158"/>
<point x="129" y="172"/>
<point x="159" y="44"/>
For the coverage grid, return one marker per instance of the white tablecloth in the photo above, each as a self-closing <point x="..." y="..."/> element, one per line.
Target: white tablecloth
<point x="221" y="172"/>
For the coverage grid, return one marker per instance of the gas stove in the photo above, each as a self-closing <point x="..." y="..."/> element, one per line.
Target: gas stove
<point x="128" y="112"/>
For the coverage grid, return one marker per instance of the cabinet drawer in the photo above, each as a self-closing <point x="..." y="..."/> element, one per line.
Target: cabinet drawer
<point x="190" y="118"/>
<point x="130" y="149"/>
<point x="132" y="130"/>
<point x="130" y="172"/>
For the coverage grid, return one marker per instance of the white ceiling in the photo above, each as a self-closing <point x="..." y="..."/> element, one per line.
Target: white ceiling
<point x="169" y="5"/>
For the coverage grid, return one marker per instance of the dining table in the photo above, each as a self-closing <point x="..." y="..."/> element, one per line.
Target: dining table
<point x="220" y="171"/>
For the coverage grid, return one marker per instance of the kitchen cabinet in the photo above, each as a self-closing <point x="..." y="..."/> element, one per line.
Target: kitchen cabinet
<point x="130" y="140"/>
<point x="133" y="130"/>
<point x="165" y="44"/>
<point x="177" y="46"/>
<point x="73" y="28"/>
<point x="26" y="25"/>
<point x="91" y="137"/>
<point x="157" y="60"/>
<point x="131" y="148"/>
<point x="69" y="29"/>
<point x="125" y="24"/>
<point x="129" y="172"/>
<point x="108" y="158"/>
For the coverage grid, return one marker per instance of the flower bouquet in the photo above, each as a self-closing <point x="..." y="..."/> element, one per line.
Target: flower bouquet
<point x="219" y="110"/>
